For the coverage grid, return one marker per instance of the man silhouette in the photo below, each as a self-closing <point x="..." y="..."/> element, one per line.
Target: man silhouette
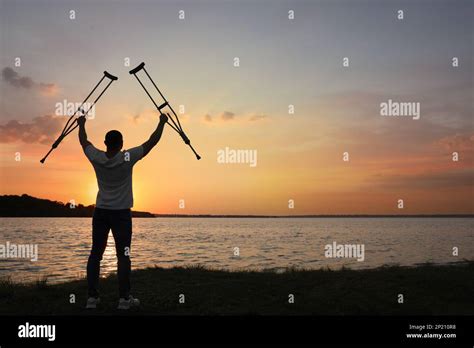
<point x="113" y="169"/>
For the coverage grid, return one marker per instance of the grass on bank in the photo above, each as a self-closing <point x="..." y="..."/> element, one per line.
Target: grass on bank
<point x="427" y="289"/>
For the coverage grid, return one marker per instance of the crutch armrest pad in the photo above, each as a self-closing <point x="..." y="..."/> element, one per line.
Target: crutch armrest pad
<point x="110" y="76"/>
<point x="137" y="69"/>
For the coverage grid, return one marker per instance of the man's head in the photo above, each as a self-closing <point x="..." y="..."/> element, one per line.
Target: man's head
<point x="113" y="140"/>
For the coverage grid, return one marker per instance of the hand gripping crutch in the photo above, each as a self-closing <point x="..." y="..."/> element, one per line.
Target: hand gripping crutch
<point x="176" y="125"/>
<point x="72" y="124"/>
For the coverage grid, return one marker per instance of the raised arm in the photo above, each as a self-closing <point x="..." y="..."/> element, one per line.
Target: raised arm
<point x="81" y="121"/>
<point x="155" y="136"/>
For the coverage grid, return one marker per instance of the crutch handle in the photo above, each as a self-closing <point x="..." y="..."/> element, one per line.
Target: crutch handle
<point x="110" y="76"/>
<point x="137" y="69"/>
<point x="162" y="106"/>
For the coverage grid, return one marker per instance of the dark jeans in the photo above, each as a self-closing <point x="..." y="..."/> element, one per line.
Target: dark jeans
<point x="120" y="221"/>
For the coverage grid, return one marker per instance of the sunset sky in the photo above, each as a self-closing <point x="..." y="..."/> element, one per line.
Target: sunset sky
<point x="282" y="62"/>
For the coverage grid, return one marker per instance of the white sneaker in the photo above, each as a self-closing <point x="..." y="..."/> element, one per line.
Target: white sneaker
<point x="92" y="302"/>
<point x="128" y="303"/>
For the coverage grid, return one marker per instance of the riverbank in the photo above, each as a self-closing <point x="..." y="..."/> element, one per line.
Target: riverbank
<point x="427" y="289"/>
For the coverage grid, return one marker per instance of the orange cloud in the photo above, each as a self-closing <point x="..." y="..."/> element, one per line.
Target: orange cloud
<point x="257" y="117"/>
<point x="227" y="116"/>
<point x="207" y="118"/>
<point x="457" y="142"/>
<point x="48" y="89"/>
<point x="42" y="129"/>
<point x="231" y="116"/>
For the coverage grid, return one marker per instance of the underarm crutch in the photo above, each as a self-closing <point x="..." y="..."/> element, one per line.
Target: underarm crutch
<point x="71" y="123"/>
<point x="176" y="125"/>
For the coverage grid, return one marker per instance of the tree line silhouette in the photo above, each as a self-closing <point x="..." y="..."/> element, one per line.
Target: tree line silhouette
<point x="28" y="206"/>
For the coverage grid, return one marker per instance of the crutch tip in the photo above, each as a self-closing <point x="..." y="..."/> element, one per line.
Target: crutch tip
<point x="198" y="157"/>
<point x="42" y="160"/>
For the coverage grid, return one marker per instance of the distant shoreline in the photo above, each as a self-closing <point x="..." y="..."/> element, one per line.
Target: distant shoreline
<point x="28" y="206"/>
<point x="312" y="216"/>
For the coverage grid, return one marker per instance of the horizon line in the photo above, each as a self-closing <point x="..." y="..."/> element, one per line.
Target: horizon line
<point x="434" y="215"/>
<point x="308" y="215"/>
